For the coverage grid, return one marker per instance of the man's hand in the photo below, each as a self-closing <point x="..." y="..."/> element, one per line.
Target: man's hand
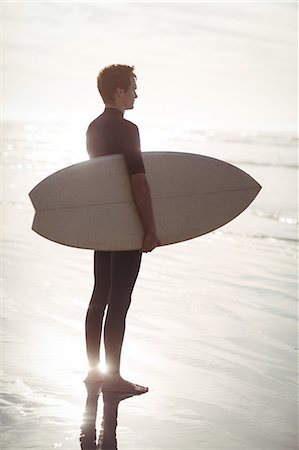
<point x="150" y="242"/>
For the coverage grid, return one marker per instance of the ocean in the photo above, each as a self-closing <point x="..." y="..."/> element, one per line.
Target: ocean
<point x="212" y="329"/>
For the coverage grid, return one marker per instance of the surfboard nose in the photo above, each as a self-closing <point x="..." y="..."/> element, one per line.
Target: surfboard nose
<point x="258" y="187"/>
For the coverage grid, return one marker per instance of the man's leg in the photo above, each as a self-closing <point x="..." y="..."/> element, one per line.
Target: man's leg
<point x="96" y="308"/>
<point x="124" y="271"/>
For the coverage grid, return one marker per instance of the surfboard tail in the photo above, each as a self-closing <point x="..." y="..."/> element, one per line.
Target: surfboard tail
<point x="32" y="198"/>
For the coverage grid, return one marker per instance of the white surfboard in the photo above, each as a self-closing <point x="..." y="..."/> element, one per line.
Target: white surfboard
<point x="89" y="205"/>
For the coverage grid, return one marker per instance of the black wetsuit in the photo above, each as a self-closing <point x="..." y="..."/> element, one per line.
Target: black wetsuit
<point x="115" y="273"/>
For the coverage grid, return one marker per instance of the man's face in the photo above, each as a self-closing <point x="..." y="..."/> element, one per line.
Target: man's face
<point x="130" y="95"/>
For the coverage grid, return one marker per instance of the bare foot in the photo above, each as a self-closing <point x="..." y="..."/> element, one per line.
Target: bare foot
<point x="115" y="383"/>
<point x="94" y="380"/>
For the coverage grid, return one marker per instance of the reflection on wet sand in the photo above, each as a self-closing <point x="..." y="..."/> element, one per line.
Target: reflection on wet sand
<point x="107" y="437"/>
<point x="88" y="433"/>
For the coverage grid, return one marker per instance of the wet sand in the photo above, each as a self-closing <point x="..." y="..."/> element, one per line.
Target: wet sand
<point x="211" y="331"/>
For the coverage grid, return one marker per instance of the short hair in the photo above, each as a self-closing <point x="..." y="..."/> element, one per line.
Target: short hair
<point x="112" y="77"/>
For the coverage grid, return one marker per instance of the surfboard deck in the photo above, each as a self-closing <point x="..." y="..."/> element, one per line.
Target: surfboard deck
<point x="90" y="205"/>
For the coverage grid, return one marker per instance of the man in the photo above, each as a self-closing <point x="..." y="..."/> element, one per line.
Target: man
<point x="116" y="272"/>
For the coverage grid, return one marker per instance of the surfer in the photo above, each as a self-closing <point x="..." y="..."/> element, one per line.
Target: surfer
<point x="115" y="273"/>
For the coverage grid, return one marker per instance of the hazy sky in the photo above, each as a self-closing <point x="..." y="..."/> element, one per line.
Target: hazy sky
<point x="224" y="64"/>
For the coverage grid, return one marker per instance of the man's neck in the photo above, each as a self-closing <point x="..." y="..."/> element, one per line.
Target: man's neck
<point x="114" y="106"/>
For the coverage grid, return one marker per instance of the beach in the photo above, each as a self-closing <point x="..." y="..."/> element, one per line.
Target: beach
<point x="212" y="329"/>
<point x="213" y="325"/>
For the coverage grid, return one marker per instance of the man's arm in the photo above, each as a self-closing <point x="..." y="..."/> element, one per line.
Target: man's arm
<point x="143" y="200"/>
